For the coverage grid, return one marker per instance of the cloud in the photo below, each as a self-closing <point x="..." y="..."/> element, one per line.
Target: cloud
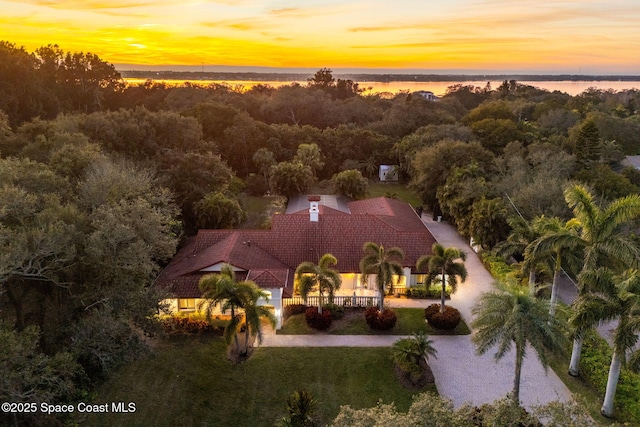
<point x="98" y="4"/>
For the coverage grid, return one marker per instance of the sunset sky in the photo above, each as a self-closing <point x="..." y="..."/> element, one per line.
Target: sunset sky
<point x="529" y="36"/>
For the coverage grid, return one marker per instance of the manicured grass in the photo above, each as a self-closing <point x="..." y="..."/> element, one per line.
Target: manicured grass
<point x="410" y="320"/>
<point x="189" y="382"/>
<point x="401" y="191"/>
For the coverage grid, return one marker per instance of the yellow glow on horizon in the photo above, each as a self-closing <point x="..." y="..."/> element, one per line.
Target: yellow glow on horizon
<point x="527" y="35"/>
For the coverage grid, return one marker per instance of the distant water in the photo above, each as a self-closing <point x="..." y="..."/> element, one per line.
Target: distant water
<point x="438" y="88"/>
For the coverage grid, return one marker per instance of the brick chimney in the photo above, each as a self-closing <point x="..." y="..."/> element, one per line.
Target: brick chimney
<point x="314" y="208"/>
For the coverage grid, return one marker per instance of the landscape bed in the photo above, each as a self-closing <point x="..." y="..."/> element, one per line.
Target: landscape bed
<point x="410" y="320"/>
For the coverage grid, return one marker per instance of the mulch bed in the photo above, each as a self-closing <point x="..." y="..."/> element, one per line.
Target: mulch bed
<point x="414" y="381"/>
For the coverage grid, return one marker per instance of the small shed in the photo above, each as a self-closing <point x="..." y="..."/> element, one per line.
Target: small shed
<point x="388" y="173"/>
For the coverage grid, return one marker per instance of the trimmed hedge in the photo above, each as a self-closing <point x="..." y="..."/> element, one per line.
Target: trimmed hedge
<point x="431" y="292"/>
<point x="380" y="321"/>
<point x="497" y="266"/>
<point x="447" y="321"/>
<point x="594" y="368"/>
<point x="316" y="320"/>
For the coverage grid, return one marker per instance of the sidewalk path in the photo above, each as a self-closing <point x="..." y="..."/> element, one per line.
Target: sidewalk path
<point x="461" y="375"/>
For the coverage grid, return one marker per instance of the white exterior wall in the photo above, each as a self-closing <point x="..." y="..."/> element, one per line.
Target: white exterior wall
<point x="275" y="300"/>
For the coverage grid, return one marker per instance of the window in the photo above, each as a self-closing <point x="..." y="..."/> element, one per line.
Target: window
<point x="187" y="304"/>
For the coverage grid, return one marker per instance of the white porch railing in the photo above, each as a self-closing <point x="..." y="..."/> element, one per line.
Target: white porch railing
<point x="344" y="301"/>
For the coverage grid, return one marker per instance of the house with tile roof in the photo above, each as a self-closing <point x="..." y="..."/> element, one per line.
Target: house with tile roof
<point x="311" y="227"/>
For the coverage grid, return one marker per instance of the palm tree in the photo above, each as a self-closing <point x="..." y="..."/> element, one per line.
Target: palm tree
<point x="444" y="261"/>
<point x="254" y="313"/>
<point x="409" y="351"/>
<point x="321" y="276"/>
<point x="554" y="229"/>
<point x="616" y="297"/>
<point x="384" y="264"/>
<point x="512" y="317"/>
<point x="600" y="238"/>
<point x="521" y="236"/>
<point x="223" y="288"/>
<point x="300" y="406"/>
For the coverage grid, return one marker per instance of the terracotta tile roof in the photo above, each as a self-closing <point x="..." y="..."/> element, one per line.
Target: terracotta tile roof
<point x="267" y="254"/>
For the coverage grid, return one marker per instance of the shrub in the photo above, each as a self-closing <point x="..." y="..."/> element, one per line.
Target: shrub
<point x="447" y="321"/>
<point x="187" y="325"/>
<point x="380" y="321"/>
<point x="497" y="266"/>
<point x="316" y="320"/>
<point x="337" y="311"/>
<point x="425" y="292"/>
<point x="292" y="309"/>
<point x="594" y="368"/>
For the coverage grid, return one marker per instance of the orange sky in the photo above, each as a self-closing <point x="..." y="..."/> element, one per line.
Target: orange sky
<point x="561" y="36"/>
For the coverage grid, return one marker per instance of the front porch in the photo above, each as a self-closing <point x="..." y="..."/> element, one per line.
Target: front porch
<point x="359" y="297"/>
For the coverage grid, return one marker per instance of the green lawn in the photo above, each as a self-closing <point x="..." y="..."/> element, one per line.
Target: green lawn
<point x="401" y="191"/>
<point x="189" y="382"/>
<point x="410" y="320"/>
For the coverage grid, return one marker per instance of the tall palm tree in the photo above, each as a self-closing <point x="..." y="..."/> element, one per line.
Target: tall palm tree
<point x="223" y="288"/>
<point x="321" y="277"/>
<point x="616" y="297"/>
<point x="384" y="264"/>
<point x="600" y="238"/>
<point x="254" y="313"/>
<point x="444" y="261"/>
<point x="554" y="229"/>
<point x="512" y="317"/>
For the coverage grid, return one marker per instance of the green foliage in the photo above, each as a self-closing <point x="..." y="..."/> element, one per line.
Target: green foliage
<point x="384" y="264"/>
<point x="218" y="211"/>
<point x="587" y="146"/>
<point x="488" y="225"/>
<point x="104" y="341"/>
<point x="350" y="183"/>
<point x="31" y="376"/>
<point x="594" y="368"/>
<point x="434" y="164"/>
<point x="604" y="181"/>
<point x="410" y="351"/>
<point x="290" y="178"/>
<point x="514" y="318"/>
<point x="443" y="264"/>
<point x="497" y="266"/>
<point x="300" y="407"/>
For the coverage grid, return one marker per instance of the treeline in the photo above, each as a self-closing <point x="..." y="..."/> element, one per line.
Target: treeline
<point x="99" y="180"/>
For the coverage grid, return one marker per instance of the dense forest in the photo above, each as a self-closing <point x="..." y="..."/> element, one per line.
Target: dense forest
<point x="101" y="180"/>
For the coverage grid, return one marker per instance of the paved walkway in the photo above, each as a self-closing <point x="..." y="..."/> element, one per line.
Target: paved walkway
<point x="461" y="375"/>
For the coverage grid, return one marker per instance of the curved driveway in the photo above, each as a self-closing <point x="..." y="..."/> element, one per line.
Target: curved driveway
<point x="461" y="375"/>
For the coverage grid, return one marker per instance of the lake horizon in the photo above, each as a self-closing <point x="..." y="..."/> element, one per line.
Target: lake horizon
<point x="439" y="88"/>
